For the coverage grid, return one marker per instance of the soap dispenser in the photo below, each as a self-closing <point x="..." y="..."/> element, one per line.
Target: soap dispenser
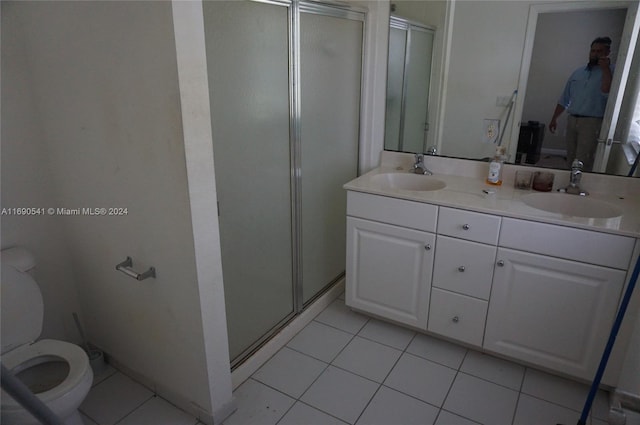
<point x="495" y="167"/>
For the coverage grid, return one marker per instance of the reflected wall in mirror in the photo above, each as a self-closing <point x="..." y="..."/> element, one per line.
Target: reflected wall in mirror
<point x="482" y="53"/>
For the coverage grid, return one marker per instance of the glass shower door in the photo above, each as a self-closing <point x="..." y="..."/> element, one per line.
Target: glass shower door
<point x="408" y="86"/>
<point x="395" y="87"/>
<point x="418" y="75"/>
<point x="248" y="66"/>
<point x="330" y="67"/>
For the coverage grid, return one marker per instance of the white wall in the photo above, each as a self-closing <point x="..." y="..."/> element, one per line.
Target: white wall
<point x="106" y="131"/>
<point x="486" y="52"/>
<point x="27" y="182"/>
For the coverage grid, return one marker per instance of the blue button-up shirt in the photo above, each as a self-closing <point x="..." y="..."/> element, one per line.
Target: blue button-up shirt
<point x="582" y="94"/>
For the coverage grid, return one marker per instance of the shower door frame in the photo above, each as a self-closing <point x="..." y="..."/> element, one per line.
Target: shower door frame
<point x="294" y="10"/>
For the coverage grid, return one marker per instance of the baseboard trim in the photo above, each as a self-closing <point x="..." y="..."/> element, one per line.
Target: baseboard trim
<point x="626" y="400"/>
<point x="171" y="396"/>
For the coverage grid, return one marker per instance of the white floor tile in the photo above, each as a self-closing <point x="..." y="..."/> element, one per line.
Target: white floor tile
<point x="320" y="341"/>
<point x="106" y="372"/>
<point x="390" y="407"/>
<point x="338" y="315"/>
<point x="290" y="371"/>
<point x="258" y="405"/>
<point x="301" y="414"/>
<point x="367" y="358"/>
<point x="481" y="401"/>
<point x="114" y="398"/>
<point x="564" y="392"/>
<point x="499" y="371"/>
<point x="448" y="418"/>
<point x="158" y="411"/>
<point x="437" y="350"/>
<point x="387" y="333"/>
<point x="533" y="411"/>
<point x="421" y="378"/>
<point x="340" y="393"/>
<point x="87" y="420"/>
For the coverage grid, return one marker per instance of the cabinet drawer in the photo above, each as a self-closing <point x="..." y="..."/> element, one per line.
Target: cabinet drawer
<point x="415" y="215"/>
<point x="457" y="316"/>
<point x="469" y="225"/>
<point x="463" y="266"/>
<point x="565" y="242"/>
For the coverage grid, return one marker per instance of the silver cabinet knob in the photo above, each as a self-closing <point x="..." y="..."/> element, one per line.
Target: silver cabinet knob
<point x="466" y="227"/>
<point x="455" y="319"/>
<point x="427" y="247"/>
<point x="501" y="263"/>
<point x="461" y="268"/>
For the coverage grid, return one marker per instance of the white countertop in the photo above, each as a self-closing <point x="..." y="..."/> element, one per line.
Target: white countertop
<point x="466" y="192"/>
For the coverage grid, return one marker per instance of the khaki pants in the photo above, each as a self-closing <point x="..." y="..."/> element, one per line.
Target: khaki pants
<point x="582" y="139"/>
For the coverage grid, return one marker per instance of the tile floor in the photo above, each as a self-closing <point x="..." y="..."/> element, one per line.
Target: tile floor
<point x="117" y="399"/>
<point x="346" y="368"/>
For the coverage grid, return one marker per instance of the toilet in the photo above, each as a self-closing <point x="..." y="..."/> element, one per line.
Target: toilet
<point x="58" y="372"/>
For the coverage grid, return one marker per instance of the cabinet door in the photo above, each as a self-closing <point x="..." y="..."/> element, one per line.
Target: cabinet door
<point x="551" y="312"/>
<point x="389" y="271"/>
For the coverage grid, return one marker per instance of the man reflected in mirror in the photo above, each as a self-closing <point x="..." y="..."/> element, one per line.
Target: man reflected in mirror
<point x="585" y="98"/>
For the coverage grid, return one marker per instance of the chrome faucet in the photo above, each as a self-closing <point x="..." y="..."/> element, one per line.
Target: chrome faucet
<point x="574" y="179"/>
<point x="419" y="167"/>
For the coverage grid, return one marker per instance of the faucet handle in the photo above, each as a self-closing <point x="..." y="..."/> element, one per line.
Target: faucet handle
<point x="577" y="164"/>
<point x="419" y="157"/>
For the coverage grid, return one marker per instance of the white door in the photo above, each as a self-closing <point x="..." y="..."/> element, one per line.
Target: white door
<point x="620" y="76"/>
<point x="551" y="312"/>
<point x="389" y="271"/>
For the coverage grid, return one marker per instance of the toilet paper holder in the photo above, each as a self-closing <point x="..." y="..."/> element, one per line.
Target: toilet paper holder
<point x="125" y="267"/>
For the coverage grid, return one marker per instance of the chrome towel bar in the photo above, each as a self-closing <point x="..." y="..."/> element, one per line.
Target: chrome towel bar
<point x="125" y="267"/>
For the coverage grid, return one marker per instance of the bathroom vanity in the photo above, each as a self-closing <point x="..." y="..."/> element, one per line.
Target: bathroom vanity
<point x="486" y="269"/>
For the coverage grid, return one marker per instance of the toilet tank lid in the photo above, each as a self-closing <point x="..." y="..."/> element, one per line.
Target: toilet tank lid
<point x="18" y="257"/>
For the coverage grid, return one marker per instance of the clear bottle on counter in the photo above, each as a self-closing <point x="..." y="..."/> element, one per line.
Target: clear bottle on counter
<point x="495" y="167"/>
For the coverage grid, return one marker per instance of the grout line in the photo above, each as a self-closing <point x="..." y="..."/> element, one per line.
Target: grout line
<point x="136" y="408"/>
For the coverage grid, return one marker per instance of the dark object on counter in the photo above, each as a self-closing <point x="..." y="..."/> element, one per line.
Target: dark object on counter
<point x="543" y="181"/>
<point x="530" y="142"/>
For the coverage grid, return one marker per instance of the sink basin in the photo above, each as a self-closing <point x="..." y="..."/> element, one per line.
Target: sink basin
<point x="573" y="205"/>
<point x="408" y="181"/>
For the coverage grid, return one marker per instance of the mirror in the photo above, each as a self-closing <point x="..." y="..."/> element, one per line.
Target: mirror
<point x="408" y="82"/>
<point x="492" y="51"/>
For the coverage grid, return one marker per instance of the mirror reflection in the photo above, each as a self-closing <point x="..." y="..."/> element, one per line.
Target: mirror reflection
<point x="408" y="82"/>
<point x="498" y="48"/>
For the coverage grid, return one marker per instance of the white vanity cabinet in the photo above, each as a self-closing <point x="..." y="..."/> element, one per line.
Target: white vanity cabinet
<point x="555" y="295"/>
<point x="389" y="266"/>
<point x="462" y="275"/>
<point x="540" y="293"/>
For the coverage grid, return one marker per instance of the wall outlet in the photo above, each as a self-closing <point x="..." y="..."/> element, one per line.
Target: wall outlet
<point x="490" y="130"/>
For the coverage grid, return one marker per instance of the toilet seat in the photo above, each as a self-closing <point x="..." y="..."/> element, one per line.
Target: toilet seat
<point x="47" y="350"/>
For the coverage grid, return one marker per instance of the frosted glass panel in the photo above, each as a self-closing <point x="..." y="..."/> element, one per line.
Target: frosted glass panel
<point x="331" y="55"/>
<point x="247" y="60"/>
<point x="417" y="95"/>
<point x="395" y="81"/>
